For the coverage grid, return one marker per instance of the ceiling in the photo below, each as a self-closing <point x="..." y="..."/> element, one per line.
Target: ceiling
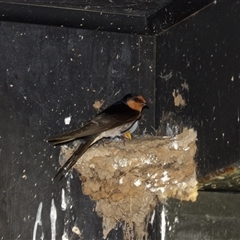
<point x="148" y="17"/>
<point x="135" y="8"/>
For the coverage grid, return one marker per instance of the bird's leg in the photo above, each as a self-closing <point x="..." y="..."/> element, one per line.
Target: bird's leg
<point x="126" y="135"/>
<point x="103" y="140"/>
<point x="123" y="140"/>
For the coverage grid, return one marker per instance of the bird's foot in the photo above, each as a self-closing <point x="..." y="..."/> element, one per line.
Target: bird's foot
<point x="126" y="135"/>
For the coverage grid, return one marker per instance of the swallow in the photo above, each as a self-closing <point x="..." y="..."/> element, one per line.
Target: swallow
<point x="117" y="120"/>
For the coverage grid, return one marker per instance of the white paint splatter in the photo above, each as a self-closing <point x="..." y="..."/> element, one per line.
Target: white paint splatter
<point x="38" y="222"/>
<point x="176" y="220"/>
<point x="166" y="77"/>
<point x="63" y="204"/>
<point x="67" y="120"/>
<point x="53" y="218"/>
<point x="116" y="93"/>
<point x="163" y="223"/>
<point x="24" y="176"/>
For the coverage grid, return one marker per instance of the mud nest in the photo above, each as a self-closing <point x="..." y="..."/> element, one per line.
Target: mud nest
<point x="128" y="179"/>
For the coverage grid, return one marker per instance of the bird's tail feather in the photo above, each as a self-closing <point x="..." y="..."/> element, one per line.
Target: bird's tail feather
<point x="59" y="140"/>
<point x="76" y="155"/>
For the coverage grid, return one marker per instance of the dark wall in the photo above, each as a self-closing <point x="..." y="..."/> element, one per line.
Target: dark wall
<point x="213" y="216"/>
<point x="203" y="52"/>
<point x="47" y="74"/>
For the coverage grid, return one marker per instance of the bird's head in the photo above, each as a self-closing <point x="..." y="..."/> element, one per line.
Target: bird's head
<point x="135" y="102"/>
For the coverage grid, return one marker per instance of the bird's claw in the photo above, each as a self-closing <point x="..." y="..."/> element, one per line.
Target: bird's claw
<point x="127" y="135"/>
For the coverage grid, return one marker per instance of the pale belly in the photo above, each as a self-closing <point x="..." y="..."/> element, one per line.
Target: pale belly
<point x="118" y="131"/>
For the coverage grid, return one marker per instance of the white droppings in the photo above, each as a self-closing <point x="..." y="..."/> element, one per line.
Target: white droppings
<point x="232" y="78"/>
<point x="121" y="180"/>
<point x="76" y="230"/>
<point x="165" y="176"/>
<point x="182" y="185"/>
<point x="67" y="215"/>
<point x="65" y="236"/>
<point x="38" y="222"/>
<point x="53" y="218"/>
<point x="147" y="161"/>
<point x="11" y="85"/>
<point x="63" y="204"/>
<point x="137" y="182"/>
<point x="148" y="185"/>
<point x="151" y="159"/>
<point x="175" y="145"/>
<point x="154" y="175"/>
<point x="152" y="217"/>
<point x="122" y="162"/>
<point x="67" y="120"/>
<point x="163" y="223"/>
<point x="162" y="189"/>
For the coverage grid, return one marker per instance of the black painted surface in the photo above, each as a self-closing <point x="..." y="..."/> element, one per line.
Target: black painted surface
<point x="173" y="13"/>
<point x="47" y="74"/>
<point x="123" y="7"/>
<point x="76" y="18"/>
<point x="214" y="216"/>
<point x="203" y="52"/>
<point x="138" y="17"/>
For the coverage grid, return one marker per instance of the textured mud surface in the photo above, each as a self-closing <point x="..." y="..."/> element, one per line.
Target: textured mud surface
<point x="127" y="180"/>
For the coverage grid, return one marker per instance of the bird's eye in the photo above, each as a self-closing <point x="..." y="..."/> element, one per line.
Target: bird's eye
<point x="136" y="99"/>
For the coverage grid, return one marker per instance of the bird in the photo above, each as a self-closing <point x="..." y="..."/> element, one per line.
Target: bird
<point x="118" y="120"/>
